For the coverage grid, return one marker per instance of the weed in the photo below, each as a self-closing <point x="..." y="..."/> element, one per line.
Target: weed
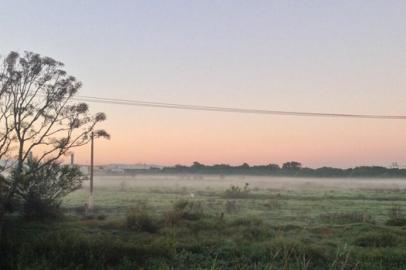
<point x="138" y="219"/>
<point x="346" y="217"/>
<point x="396" y="222"/>
<point x="101" y="217"/>
<point x="273" y="204"/>
<point x="184" y="210"/>
<point x="395" y="212"/>
<point x="235" y="192"/>
<point x="231" y="207"/>
<point x="376" y="239"/>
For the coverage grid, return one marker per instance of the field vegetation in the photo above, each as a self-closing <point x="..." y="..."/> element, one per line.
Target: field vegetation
<point x="217" y="222"/>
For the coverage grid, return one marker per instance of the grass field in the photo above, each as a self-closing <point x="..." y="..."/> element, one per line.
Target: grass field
<point x="203" y="222"/>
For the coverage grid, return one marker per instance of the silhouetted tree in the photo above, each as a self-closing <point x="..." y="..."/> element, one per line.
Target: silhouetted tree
<point x="274" y="167"/>
<point x="38" y="114"/>
<point x="5" y="118"/>
<point x="197" y="165"/>
<point x="244" y="166"/>
<point x="292" y="165"/>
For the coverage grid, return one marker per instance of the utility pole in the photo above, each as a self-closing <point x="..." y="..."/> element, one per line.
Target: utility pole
<point x="72" y="159"/>
<point x="91" y="199"/>
<point x="99" y="134"/>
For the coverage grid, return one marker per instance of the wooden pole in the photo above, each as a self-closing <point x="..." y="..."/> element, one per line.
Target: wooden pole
<point x="91" y="199"/>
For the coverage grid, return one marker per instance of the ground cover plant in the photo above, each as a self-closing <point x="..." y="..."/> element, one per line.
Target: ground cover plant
<point x="167" y="223"/>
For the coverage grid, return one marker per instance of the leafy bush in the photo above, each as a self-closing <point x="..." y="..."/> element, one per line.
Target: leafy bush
<point x="396" y="222"/>
<point x="42" y="186"/>
<point x="173" y="217"/>
<point x="101" y="217"/>
<point x="273" y="204"/>
<point x="375" y="239"/>
<point x="180" y="205"/>
<point x="36" y="207"/>
<point x="70" y="250"/>
<point x="247" y="221"/>
<point x="396" y="217"/>
<point x="395" y="212"/>
<point x="184" y="210"/>
<point x="231" y="207"/>
<point x="292" y="254"/>
<point x="194" y="211"/>
<point x="235" y="192"/>
<point x="347" y="217"/>
<point x="3" y="192"/>
<point x="138" y="219"/>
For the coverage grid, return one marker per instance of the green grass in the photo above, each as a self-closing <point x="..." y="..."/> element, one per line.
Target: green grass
<point x="167" y="228"/>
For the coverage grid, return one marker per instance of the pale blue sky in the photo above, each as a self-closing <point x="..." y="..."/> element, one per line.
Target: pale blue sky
<point x="332" y="56"/>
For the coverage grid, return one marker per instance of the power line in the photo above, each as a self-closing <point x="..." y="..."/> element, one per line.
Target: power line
<point x="139" y="103"/>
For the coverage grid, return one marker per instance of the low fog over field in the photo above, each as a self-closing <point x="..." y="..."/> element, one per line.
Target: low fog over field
<point x="201" y="182"/>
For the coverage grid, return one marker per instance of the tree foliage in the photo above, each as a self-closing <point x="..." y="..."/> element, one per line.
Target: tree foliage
<point x="42" y="111"/>
<point x="42" y="188"/>
<point x="39" y="114"/>
<point x="291" y="168"/>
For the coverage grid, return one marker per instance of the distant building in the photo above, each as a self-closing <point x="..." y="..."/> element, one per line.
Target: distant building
<point x="116" y="168"/>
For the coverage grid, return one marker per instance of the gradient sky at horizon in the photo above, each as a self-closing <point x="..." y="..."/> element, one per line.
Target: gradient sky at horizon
<point x="328" y="56"/>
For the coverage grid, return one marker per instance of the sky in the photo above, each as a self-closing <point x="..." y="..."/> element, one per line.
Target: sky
<point x="325" y="56"/>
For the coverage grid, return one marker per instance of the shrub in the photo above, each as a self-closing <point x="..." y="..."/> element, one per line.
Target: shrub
<point x="138" y="219"/>
<point x="36" y="207"/>
<point x="343" y="259"/>
<point x="172" y="217"/>
<point x="290" y="253"/>
<point x="395" y="212"/>
<point x="184" y="210"/>
<point x="347" y="217"/>
<point x="235" y="192"/>
<point x="396" y="222"/>
<point x="101" y="217"/>
<point x="273" y="204"/>
<point x="375" y="239"/>
<point x="193" y="211"/>
<point x="41" y="187"/>
<point x="247" y="221"/>
<point x="231" y="207"/>
<point x="180" y="205"/>
<point x="79" y="210"/>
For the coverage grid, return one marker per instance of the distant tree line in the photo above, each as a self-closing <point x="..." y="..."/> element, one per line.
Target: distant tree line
<point x="291" y="168"/>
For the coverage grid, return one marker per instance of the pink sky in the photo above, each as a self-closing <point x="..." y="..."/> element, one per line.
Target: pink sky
<point x="169" y="137"/>
<point x="327" y="56"/>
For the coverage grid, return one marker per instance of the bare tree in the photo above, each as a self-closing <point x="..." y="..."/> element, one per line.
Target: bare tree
<point x="39" y="114"/>
<point x="5" y="116"/>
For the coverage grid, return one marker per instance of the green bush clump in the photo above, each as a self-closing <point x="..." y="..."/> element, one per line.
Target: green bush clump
<point x="396" y="222"/>
<point x="180" y="205"/>
<point x="231" y="207"/>
<point x="396" y="217"/>
<point x="247" y="221"/>
<point x="184" y="210"/>
<point x="37" y="208"/>
<point x="376" y="239"/>
<point x="41" y="187"/>
<point x="347" y="217"/>
<point x="395" y="212"/>
<point x="273" y="204"/>
<point x="235" y="192"/>
<point x="138" y="219"/>
<point x="70" y="250"/>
